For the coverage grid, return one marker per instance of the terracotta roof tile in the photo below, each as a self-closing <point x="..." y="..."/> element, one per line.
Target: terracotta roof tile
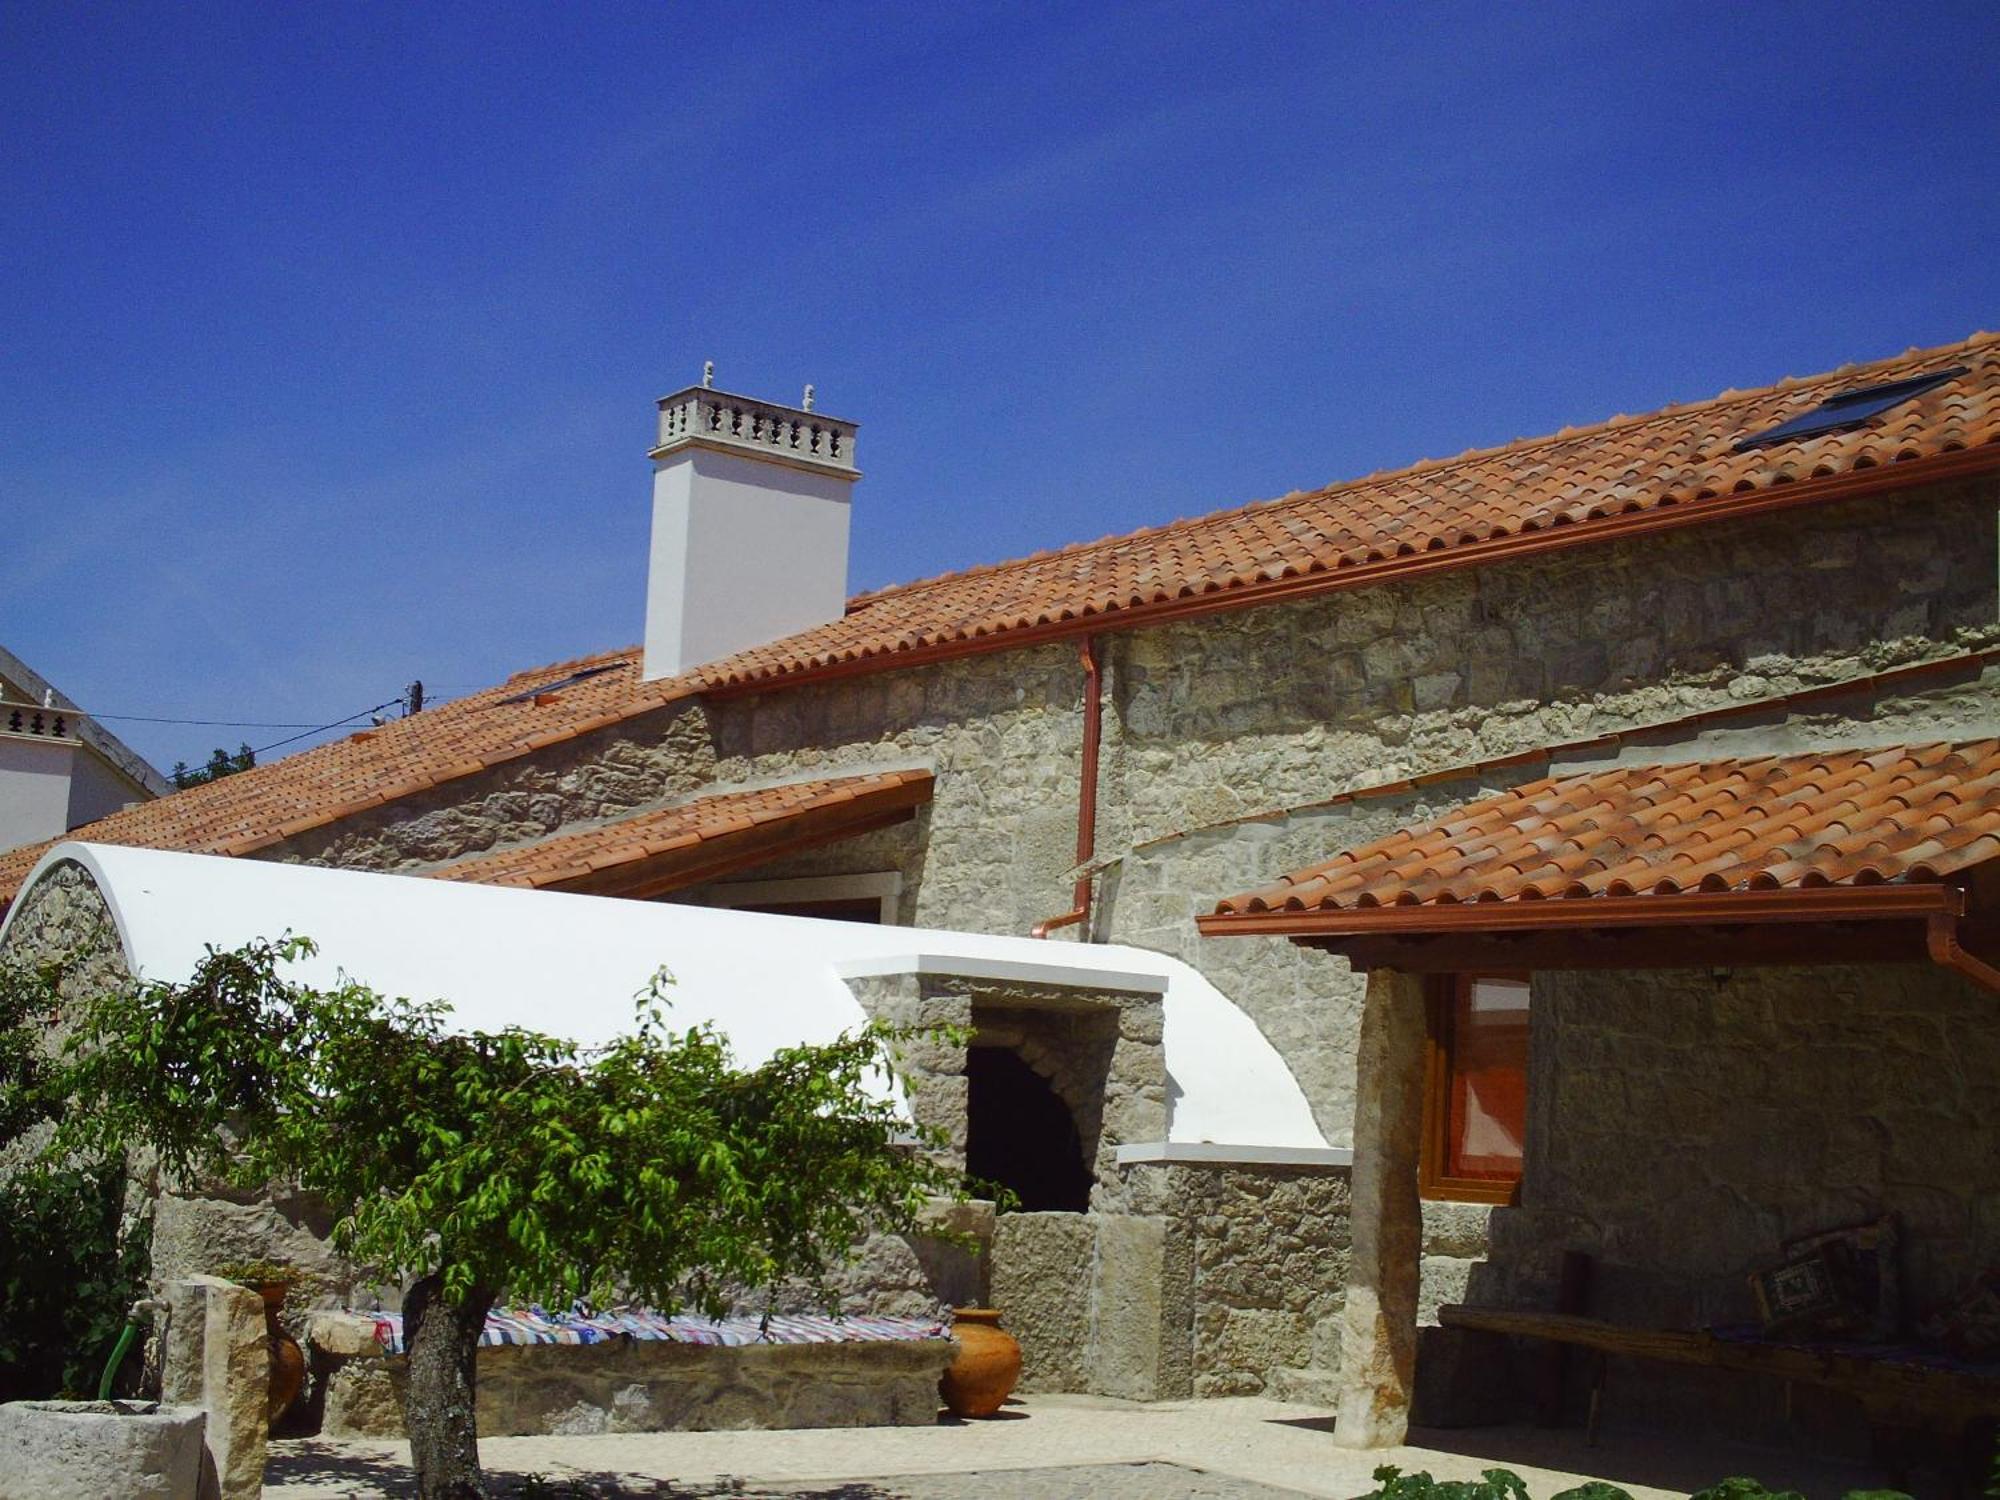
<point x="707" y="823"/>
<point x="1674" y="466"/>
<point x="1909" y="813"/>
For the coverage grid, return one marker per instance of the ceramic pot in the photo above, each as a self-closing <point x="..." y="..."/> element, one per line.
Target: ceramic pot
<point x="288" y="1361"/>
<point x="988" y="1363"/>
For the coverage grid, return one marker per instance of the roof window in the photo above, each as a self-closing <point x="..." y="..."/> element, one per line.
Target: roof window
<point x="1849" y="408"/>
<point x="548" y="689"/>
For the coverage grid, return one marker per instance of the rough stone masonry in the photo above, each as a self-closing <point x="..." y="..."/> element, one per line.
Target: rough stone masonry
<point x="1229" y="744"/>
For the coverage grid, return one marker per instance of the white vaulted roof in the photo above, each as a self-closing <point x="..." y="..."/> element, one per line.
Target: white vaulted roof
<point x="571" y="965"/>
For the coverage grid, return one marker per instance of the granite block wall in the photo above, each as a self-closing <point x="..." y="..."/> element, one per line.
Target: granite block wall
<point x="1684" y="1124"/>
<point x="568" y="1390"/>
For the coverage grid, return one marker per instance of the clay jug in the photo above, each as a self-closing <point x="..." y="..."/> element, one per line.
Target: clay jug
<point x="288" y="1361"/>
<point x="988" y="1363"/>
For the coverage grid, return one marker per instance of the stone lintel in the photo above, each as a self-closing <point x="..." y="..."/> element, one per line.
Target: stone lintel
<point x="1217" y="1154"/>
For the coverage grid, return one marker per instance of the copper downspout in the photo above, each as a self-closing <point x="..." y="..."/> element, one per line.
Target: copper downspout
<point x="1941" y="933"/>
<point x="1086" y="792"/>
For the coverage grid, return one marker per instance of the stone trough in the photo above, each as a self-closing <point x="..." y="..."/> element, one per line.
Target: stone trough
<point x="88" y="1450"/>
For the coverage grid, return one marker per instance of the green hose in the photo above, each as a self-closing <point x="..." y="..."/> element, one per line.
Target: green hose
<point x="124" y="1347"/>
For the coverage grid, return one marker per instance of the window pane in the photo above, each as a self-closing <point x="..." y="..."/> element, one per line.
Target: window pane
<point x="1489" y="1080"/>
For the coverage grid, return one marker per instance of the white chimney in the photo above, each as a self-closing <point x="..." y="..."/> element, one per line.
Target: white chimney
<point x="750" y="510"/>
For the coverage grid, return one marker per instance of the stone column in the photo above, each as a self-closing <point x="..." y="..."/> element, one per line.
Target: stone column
<point x="217" y="1358"/>
<point x="1378" y="1353"/>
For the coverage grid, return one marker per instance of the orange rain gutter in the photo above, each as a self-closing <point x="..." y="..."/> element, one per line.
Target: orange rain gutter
<point x="1086" y="792"/>
<point x="1610" y="525"/>
<point x="1941" y="933"/>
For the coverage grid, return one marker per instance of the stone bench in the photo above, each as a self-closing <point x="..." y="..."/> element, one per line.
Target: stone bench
<point x="676" y="1375"/>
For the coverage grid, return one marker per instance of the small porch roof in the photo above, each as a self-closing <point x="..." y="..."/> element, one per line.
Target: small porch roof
<point x="1849" y="855"/>
<point x="671" y="848"/>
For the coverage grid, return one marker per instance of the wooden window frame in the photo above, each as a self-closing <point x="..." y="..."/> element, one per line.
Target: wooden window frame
<point x="885" y="886"/>
<point x="1440" y="1050"/>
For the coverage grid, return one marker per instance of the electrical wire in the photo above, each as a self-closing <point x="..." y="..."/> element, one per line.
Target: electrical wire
<point x="320" y="728"/>
<point x="205" y="723"/>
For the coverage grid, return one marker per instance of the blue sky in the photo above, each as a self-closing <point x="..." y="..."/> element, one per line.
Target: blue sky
<point x="331" y="333"/>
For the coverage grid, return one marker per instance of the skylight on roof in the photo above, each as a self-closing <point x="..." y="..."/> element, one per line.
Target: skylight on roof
<point x="562" y="682"/>
<point x="1850" y="408"/>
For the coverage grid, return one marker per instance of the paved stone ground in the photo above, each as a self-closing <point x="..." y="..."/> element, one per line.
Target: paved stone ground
<point x="1144" y="1481"/>
<point x="1044" y="1448"/>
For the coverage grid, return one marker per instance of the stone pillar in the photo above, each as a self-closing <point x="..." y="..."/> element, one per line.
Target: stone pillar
<point x="1136" y="1303"/>
<point x="217" y="1358"/>
<point x="1378" y="1353"/>
<point x="1042" y="1285"/>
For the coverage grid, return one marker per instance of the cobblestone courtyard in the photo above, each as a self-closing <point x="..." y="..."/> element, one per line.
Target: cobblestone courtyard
<point x="1042" y="1448"/>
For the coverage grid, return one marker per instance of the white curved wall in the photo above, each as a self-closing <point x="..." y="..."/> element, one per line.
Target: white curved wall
<point x="571" y="965"/>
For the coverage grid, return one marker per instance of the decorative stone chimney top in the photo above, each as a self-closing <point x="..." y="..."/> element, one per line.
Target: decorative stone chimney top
<point x="703" y="417"/>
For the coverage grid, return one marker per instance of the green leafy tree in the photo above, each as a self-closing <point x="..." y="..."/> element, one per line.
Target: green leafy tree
<point x="220" y="764"/>
<point x="476" y="1164"/>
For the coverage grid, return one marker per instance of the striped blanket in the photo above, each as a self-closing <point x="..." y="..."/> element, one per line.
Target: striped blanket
<point x="533" y="1325"/>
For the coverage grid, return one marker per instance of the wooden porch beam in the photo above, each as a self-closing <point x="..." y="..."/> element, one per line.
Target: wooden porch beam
<point x="1684" y="948"/>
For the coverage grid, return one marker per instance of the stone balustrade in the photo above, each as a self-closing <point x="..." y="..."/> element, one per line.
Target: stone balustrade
<point x="33" y="718"/>
<point x="701" y="415"/>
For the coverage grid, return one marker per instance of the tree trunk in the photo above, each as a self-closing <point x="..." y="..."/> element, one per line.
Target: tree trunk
<point x="441" y="1338"/>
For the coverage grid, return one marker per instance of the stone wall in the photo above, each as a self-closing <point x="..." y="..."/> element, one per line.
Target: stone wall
<point x="1099" y="1050"/>
<point x="1042" y="1286"/>
<point x="1239" y="715"/>
<point x="623" y="1386"/>
<point x="64" y="921"/>
<point x="1269" y="1253"/>
<point x="646" y="760"/>
<point x="1262" y="711"/>
<point x="1685" y="1124"/>
<point x="1242" y="1270"/>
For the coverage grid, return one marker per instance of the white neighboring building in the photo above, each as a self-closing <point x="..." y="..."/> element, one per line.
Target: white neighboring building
<point x="59" y="768"/>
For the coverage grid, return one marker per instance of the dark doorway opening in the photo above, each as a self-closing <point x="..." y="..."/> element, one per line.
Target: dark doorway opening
<point x="1019" y="1133"/>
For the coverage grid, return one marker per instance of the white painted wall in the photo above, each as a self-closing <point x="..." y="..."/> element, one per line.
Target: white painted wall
<point x="35" y="787"/>
<point x="571" y="965"/>
<point x="744" y="551"/>
<point x="98" y="789"/>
